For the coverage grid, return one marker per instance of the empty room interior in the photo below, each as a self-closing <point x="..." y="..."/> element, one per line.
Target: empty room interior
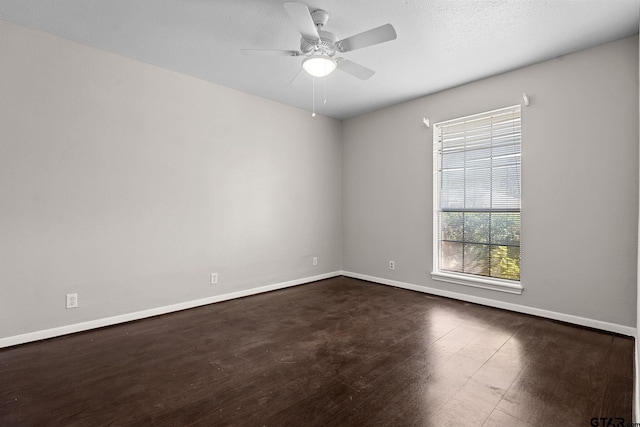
<point x="439" y="228"/>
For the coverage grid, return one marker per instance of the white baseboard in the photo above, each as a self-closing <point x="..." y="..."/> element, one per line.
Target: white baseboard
<point x="576" y="320"/>
<point x="109" y="321"/>
<point x="114" y="320"/>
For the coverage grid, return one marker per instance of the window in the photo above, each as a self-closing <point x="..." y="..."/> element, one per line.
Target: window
<point x="477" y="200"/>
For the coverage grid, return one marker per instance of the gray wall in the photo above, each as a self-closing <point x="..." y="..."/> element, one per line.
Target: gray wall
<point x="579" y="183"/>
<point x="636" y="390"/>
<point x="130" y="185"/>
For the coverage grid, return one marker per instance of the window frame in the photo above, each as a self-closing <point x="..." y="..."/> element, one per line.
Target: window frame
<point x="466" y="279"/>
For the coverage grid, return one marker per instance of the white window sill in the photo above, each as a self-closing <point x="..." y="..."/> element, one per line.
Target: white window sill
<point x="499" y="285"/>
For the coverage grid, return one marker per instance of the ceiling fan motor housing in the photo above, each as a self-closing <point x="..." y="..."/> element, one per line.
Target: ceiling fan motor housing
<point x="326" y="45"/>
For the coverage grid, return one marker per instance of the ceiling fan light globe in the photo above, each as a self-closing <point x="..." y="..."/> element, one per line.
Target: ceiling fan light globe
<point x="319" y="65"/>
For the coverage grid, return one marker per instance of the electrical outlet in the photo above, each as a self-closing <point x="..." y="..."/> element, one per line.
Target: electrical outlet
<point x="392" y="265"/>
<point x="315" y="260"/>
<point x="72" y="300"/>
<point x="214" y="278"/>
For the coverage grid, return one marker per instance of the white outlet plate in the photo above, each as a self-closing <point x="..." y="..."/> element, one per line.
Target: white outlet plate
<point x="72" y="300"/>
<point x="315" y="260"/>
<point x="214" y="278"/>
<point x="392" y="265"/>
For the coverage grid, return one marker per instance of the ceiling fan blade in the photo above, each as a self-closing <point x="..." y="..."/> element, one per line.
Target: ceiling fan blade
<point x="270" y="52"/>
<point x="356" y="70"/>
<point x="301" y="17"/>
<point x="381" y="34"/>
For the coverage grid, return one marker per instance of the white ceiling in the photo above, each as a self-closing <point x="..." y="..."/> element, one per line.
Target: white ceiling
<point x="440" y="44"/>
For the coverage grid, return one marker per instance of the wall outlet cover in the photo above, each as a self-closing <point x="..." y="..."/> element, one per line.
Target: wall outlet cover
<point x="71" y="300"/>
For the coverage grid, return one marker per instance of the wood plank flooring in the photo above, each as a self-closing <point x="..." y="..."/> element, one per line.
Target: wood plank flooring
<point x="339" y="352"/>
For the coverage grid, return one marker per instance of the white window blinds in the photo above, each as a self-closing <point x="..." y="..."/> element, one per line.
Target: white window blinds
<point x="478" y="194"/>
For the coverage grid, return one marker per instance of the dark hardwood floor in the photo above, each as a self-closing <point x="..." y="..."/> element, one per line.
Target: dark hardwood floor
<point x="339" y="352"/>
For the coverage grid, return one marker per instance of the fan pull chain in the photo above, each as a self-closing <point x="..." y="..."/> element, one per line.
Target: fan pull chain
<point x="324" y="81"/>
<point x="313" y="97"/>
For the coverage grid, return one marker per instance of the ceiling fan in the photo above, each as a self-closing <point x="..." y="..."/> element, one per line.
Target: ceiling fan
<point x="320" y="47"/>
